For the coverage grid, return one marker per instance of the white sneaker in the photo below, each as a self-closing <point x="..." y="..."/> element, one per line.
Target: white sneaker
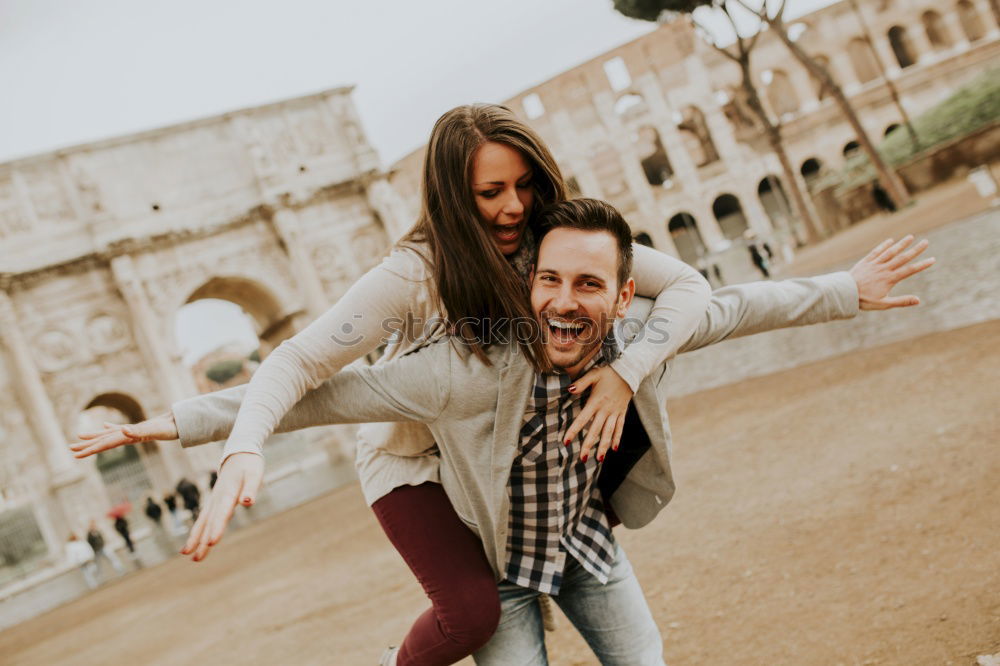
<point x="388" y="657"/>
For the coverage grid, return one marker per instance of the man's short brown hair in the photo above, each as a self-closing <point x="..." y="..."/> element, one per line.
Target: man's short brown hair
<point x="590" y="215"/>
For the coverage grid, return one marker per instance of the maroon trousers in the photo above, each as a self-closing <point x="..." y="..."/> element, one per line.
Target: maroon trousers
<point x="448" y="560"/>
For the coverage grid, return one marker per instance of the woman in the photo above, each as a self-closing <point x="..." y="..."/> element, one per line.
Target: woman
<point x="467" y="257"/>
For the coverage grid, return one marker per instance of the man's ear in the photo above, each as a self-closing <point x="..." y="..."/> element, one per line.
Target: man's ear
<point x="625" y="298"/>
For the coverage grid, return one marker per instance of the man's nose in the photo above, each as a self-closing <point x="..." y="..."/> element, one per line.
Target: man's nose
<point x="565" y="300"/>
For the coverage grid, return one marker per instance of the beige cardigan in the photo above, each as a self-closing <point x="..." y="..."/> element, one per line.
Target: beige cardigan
<point x="395" y="304"/>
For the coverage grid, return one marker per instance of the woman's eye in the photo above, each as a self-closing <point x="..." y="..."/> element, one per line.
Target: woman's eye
<point x="489" y="194"/>
<point x="524" y="186"/>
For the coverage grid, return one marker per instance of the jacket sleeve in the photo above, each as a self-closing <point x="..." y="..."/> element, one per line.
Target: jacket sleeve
<point x="757" y="307"/>
<point x="680" y="295"/>
<point x="413" y="387"/>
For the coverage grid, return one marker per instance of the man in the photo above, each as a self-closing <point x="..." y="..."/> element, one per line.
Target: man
<point x="542" y="505"/>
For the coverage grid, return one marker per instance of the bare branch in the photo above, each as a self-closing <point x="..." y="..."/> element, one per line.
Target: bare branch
<point x="711" y="40"/>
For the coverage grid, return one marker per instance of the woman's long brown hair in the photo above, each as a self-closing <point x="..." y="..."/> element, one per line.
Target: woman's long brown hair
<point x="477" y="286"/>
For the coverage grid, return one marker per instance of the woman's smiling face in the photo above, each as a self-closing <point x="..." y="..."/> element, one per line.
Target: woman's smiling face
<point x="502" y="189"/>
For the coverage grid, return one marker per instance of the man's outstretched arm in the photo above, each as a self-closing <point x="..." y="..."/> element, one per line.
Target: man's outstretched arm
<point x="757" y="307"/>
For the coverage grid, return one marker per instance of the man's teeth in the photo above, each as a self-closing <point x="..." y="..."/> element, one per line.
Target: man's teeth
<point x="565" y="325"/>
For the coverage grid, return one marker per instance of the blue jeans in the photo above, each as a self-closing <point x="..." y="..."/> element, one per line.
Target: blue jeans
<point x="614" y="619"/>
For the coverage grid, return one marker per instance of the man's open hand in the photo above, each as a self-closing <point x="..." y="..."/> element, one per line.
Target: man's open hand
<point x="160" y="427"/>
<point x="883" y="268"/>
<point x="238" y="483"/>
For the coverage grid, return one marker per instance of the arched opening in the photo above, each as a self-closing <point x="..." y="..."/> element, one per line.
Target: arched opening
<point x="697" y="139"/>
<point x="937" y="31"/>
<point x="629" y="105"/>
<point x="865" y="67"/>
<point x="655" y="163"/>
<point x="22" y="546"/>
<point x="891" y="128"/>
<point x="824" y="62"/>
<point x="901" y="47"/>
<point x="123" y="470"/>
<point x="687" y="239"/>
<point x="810" y="171"/>
<point x="972" y="22"/>
<point x="781" y="94"/>
<point x="729" y="213"/>
<point x="642" y="238"/>
<point x="851" y="148"/>
<point x="775" y="201"/>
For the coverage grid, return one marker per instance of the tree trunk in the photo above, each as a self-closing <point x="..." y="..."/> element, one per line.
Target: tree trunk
<point x="773" y="132"/>
<point x="890" y="181"/>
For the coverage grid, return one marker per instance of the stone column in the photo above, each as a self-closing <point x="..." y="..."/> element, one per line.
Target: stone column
<point x="65" y="475"/>
<point x="955" y="29"/>
<point x="988" y="19"/>
<point x="722" y="135"/>
<point x="286" y="223"/>
<point x="921" y="44"/>
<point x="572" y="147"/>
<point x="42" y="415"/>
<point x="842" y="70"/>
<point x="635" y="177"/>
<point x="390" y="206"/>
<point x="154" y="351"/>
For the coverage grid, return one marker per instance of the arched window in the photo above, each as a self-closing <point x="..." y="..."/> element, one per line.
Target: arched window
<point x="972" y="22"/>
<point x="865" y="67"/>
<point x="891" y="128"/>
<point x="655" y="163"/>
<point x="729" y="213"/>
<point x="642" y="238"/>
<point x="901" y="46"/>
<point x="774" y="200"/>
<point x="937" y="31"/>
<point x="824" y="62"/>
<point x="687" y="239"/>
<point x="122" y="470"/>
<point x="851" y="148"/>
<point x="810" y="171"/>
<point x="781" y="94"/>
<point x="697" y="138"/>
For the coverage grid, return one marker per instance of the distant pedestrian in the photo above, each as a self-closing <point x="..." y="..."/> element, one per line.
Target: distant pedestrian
<point x="190" y="495"/>
<point x="153" y="511"/>
<point x="121" y="526"/>
<point x="96" y="541"/>
<point x="79" y="553"/>
<point x="757" y="251"/>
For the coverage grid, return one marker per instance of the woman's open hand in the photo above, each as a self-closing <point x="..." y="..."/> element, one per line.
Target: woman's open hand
<point x="238" y="483"/>
<point x="160" y="427"/>
<point x="605" y="411"/>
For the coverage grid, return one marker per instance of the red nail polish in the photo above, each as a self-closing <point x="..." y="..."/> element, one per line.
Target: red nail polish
<point x="583" y="458"/>
<point x="572" y="389"/>
<point x="600" y="458"/>
<point x="566" y="442"/>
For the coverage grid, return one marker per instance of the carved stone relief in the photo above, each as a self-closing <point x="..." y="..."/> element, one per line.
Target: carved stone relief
<point x="12" y="219"/>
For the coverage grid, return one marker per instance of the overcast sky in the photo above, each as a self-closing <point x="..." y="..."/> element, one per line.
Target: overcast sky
<point x="73" y="71"/>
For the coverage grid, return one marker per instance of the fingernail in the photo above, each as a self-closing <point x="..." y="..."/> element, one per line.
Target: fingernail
<point x="583" y="458"/>
<point x="572" y="389"/>
<point x="566" y="442"/>
<point x="615" y="447"/>
<point x="600" y="458"/>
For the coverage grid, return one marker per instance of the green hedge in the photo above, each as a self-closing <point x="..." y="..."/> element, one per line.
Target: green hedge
<point x="221" y="372"/>
<point x="970" y="108"/>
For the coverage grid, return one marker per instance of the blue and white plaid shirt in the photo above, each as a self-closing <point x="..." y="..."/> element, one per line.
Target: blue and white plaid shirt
<point x="555" y="506"/>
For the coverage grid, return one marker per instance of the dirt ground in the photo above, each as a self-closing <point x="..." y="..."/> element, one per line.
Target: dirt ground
<point x="845" y="512"/>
